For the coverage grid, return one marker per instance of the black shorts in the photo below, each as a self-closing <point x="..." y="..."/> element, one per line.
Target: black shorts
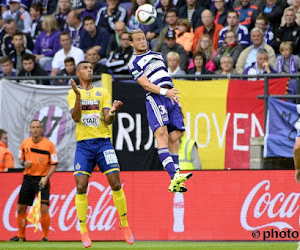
<point x="30" y="187"/>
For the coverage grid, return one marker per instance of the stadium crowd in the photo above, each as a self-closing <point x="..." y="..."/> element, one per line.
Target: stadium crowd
<point x="196" y="37"/>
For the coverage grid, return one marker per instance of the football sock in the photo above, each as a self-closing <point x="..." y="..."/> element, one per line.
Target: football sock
<point x="120" y="203"/>
<point x="81" y="203"/>
<point x="45" y="221"/>
<point x="22" y="222"/>
<point x="167" y="161"/>
<point x="175" y="158"/>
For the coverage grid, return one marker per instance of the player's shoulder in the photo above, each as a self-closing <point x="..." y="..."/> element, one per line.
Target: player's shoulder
<point x="99" y="91"/>
<point x="47" y="142"/>
<point x="27" y="141"/>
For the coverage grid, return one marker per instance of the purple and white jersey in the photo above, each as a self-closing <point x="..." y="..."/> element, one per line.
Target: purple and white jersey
<point x="153" y="65"/>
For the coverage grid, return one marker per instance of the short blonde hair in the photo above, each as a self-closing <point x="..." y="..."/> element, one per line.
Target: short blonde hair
<point x="136" y="31"/>
<point x="175" y="54"/>
<point x="285" y="45"/>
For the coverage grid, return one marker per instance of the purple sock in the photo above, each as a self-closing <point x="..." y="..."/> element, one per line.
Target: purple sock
<point x="175" y="158"/>
<point x="167" y="161"/>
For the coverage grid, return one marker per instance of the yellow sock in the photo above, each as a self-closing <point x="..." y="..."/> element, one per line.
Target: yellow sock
<point x="120" y="203"/>
<point x="81" y="204"/>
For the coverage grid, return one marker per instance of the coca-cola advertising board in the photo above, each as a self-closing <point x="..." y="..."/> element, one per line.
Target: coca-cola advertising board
<point x="219" y="205"/>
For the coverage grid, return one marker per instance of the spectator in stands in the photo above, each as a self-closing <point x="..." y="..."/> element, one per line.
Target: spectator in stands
<point x="94" y="37"/>
<point x="205" y="45"/>
<point x="230" y="48"/>
<point x="245" y="12"/>
<point x="78" y="5"/>
<point x="75" y="27"/>
<point x="192" y="10"/>
<point x="240" y="30"/>
<point x="287" y="63"/>
<point x="171" y="19"/>
<point x="227" y="67"/>
<point x="7" y="67"/>
<point x="205" y="4"/>
<point x="132" y="22"/>
<point x="32" y="69"/>
<point x="159" y="23"/>
<point x="47" y="43"/>
<point x="118" y="61"/>
<point x="296" y="7"/>
<point x="69" y="70"/>
<point x="68" y="50"/>
<point x="171" y="45"/>
<point x="36" y="11"/>
<point x="18" y="51"/>
<point x="93" y="57"/>
<point x="21" y="16"/>
<point x="261" y="66"/>
<point x="289" y="32"/>
<point x="49" y="6"/>
<point x="61" y="13"/>
<point x="262" y="23"/>
<point x="110" y="14"/>
<point x="185" y="34"/>
<point x="199" y="59"/>
<point x="90" y="9"/>
<point x="257" y="3"/>
<point x="114" y="39"/>
<point x="228" y="5"/>
<point x="273" y="10"/>
<point x="9" y="29"/>
<point x="220" y="12"/>
<point x="249" y="55"/>
<point x="208" y="27"/>
<point x="173" y="60"/>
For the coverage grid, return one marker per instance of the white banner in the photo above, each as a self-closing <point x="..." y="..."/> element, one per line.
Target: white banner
<point x="21" y="103"/>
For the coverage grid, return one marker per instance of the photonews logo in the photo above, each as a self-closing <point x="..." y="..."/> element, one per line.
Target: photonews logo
<point x="54" y="115"/>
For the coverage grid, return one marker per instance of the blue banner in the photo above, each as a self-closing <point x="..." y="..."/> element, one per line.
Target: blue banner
<point x="281" y="129"/>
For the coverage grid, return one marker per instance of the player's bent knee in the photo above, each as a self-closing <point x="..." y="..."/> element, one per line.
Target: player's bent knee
<point x="81" y="189"/>
<point x="115" y="186"/>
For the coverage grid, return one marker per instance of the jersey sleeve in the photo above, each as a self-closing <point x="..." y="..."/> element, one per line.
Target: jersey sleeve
<point x="53" y="155"/>
<point x="71" y="98"/>
<point x="135" y="70"/>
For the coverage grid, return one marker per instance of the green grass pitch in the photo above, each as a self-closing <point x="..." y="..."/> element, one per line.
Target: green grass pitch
<point x="163" y="245"/>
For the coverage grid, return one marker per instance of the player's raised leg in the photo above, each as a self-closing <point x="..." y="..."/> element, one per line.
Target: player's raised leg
<point x="162" y="137"/>
<point x="81" y="204"/>
<point x="121" y="205"/>
<point x="177" y="184"/>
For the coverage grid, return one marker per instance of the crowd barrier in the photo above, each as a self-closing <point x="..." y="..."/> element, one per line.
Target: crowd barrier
<point x="219" y="205"/>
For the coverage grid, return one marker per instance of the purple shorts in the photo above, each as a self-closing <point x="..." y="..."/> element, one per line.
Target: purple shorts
<point x="162" y="112"/>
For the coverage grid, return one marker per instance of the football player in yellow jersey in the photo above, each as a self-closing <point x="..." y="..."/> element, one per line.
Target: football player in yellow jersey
<point x="91" y="109"/>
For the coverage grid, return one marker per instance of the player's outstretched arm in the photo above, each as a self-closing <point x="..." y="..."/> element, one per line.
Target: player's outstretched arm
<point x="148" y="86"/>
<point x="76" y="113"/>
<point x="109" y="115"/>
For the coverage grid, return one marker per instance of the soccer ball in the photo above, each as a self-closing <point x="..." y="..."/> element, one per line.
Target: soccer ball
<point x="146" y="14"/>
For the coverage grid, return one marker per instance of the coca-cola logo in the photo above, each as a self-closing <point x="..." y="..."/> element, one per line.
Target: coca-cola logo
<point x="276" y="208"/>
<point x="101" y="215"/>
